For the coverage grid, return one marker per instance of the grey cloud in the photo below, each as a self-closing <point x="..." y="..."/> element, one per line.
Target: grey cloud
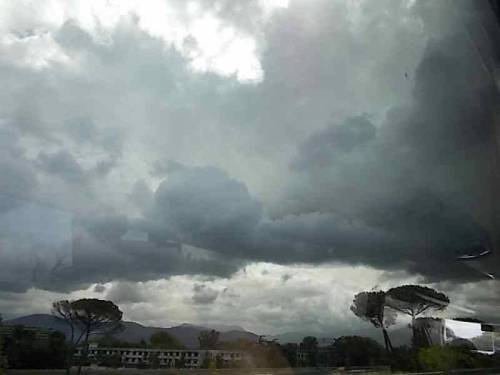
<point x="321" y="148"/>
<point x="421" y="179"/>
<point x="35" y="243"/>
<point x="203" y="294"/>
<point x="67" y="252"/>
<point x="103" y="251"/>
<point x="99" y="288"/>
<point x="125" y="293"/>
<point x="206" y="207"/>
<point x="397" y="195"/>
<point x="84" y="131"/>
<point x="18" y="180"/>
<point x="396" y="192"/>
<point x="142" y="195"/>
<point x="286" y="277"/>
<point x="64" y="165"/>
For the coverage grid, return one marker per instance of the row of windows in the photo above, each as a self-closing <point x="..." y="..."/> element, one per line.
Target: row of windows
<point x="192" y="361"/>
<point x="145" y="354"/>
<point x="141" y="353"/>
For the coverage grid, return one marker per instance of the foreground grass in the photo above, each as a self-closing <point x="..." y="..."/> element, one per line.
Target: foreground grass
<point x="274" y="371"/>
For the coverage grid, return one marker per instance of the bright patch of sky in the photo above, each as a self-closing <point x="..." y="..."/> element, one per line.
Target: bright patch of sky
<point x="210" y="42"/>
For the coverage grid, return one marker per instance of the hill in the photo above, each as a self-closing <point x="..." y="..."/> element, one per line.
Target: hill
<point x="187" y="334"/>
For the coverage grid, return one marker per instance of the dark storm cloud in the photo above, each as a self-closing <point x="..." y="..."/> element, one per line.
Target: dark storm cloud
<point x="106" y="247"/>
<point x="322" y="147"/>
<point x="422" y="177"/>
<point x="404" y="192"/>
<point x="408" y="193"/>
<point x="62" y="251"/>
<point x="204" y="206"/>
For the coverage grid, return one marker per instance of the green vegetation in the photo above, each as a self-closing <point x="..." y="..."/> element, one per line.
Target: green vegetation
<point x="415" y="300"/>
<point x="85" y="317"/>
<point x="357" y="351"/>
<point x="162" y="340"/>
<point x="309" y="345"/>
<point x="445" y="358"/>
<point x="113" y="361"/>
<point x="24" y="350"/>
<point x="3" y="358"/>
<point x="209" y="339"/>
<point x="370" y="306"/>
<point x="154" y="361"/>
<point x="379" y="308"/>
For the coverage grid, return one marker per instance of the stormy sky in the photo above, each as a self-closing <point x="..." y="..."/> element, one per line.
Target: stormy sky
<point x="252" y="162"/>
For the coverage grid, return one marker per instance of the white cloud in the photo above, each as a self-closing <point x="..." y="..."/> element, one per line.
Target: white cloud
<point x="210" y="42"/>
<point x="315" y="299"/>
<point x="36" y="51"/>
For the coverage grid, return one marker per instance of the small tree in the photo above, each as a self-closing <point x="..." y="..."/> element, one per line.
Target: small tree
<point x="63" y="311"/>
<point x="162" y="340"/>
<point x="113" y="360"/>
<point x="219" y="361"/>
<point x="154" y="360"/>
<point x="87" y="317"/>
<point x="181" y="362"/>
<point x="370" y="306"/>
<point x="309" y="346"/>
<point x="445" y="358"/>
<point x="3" y="359"/>
<point x="357" y="351"/>
<point x="208" y="339"/>
<point x="414" y="300"/>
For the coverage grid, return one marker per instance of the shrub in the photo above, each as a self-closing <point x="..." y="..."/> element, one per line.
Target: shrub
<point x="445" y="358"/>
<point x="404" y="359"/>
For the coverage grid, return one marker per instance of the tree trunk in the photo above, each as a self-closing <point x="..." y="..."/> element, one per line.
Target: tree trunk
<point x="71" y="352"/>
<point x="388" y="347"/>
<point x="414" y="340"/>
<point x="85" y="352"/>
<point x="69" y="359"/>
<point x="387" y="341"/>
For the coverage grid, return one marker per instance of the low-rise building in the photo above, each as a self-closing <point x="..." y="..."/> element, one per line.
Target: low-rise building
<point x="190" y="358"/>
<point x="40" y="335"/>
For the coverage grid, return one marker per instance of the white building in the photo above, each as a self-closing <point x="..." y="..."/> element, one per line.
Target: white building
<point x="191" y="358"/>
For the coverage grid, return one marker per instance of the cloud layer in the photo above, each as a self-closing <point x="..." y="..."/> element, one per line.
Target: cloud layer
<point x="193" y="139"/>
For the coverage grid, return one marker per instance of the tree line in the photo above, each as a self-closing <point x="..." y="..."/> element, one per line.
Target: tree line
<point x="91" y="318"/>
<point x="381" y="308"/>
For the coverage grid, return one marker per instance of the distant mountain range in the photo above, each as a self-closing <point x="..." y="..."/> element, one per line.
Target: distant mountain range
<point x="187" y="334"/>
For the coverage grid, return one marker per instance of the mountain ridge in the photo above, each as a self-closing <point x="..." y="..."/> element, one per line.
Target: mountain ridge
<point x="186" y="333"/>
